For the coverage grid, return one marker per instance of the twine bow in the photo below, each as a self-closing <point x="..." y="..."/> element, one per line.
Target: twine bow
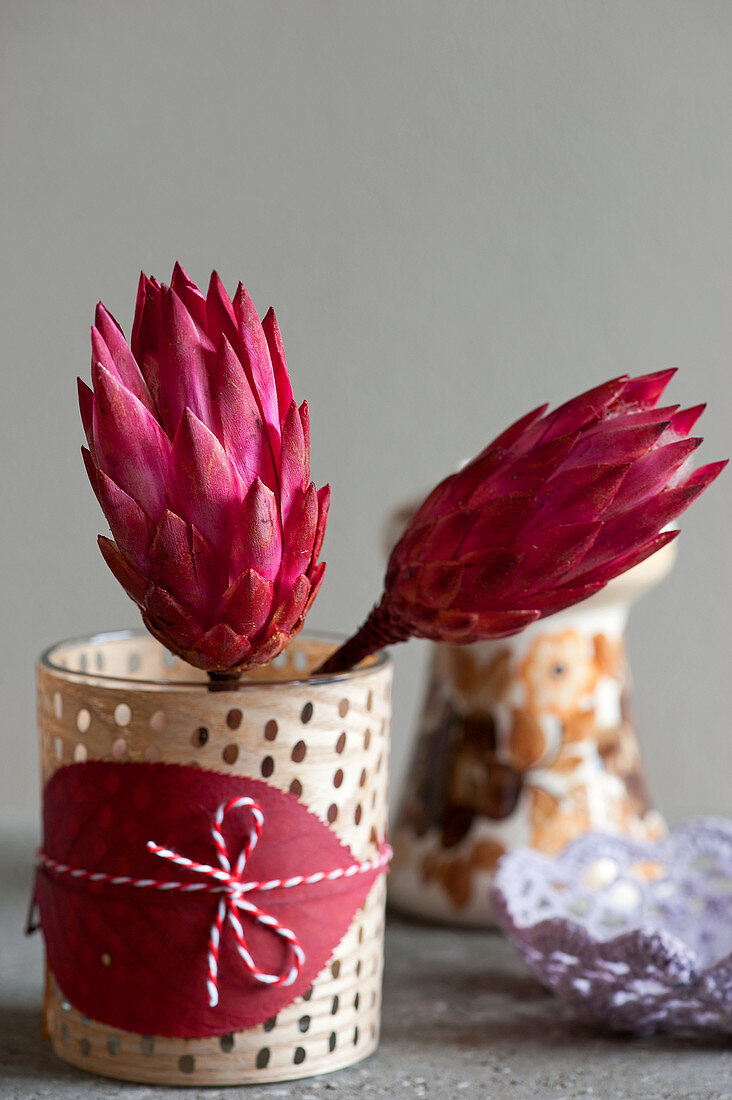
<point x="233" y="899"/>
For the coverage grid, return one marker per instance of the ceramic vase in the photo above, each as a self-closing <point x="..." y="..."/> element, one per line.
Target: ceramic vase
<point x="527" y="740"/>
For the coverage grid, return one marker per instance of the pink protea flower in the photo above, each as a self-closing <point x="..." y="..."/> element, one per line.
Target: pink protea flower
<point x="200" y="459"/>
<point x="546" y="515"/>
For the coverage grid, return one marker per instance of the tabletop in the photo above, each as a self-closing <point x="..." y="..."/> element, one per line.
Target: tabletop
<point x="462" y="1018"/>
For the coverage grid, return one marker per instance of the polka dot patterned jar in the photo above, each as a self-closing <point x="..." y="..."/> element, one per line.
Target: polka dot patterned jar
<point x="121" y="697"/>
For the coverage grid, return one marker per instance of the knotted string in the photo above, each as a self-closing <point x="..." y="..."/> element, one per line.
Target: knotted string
<point x="232" y="900"/>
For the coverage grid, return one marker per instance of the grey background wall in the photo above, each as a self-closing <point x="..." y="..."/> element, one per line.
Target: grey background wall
<point x="458" y="209"/>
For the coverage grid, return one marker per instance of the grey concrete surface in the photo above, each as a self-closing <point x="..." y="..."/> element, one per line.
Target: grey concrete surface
<point x="463" y="1020"/>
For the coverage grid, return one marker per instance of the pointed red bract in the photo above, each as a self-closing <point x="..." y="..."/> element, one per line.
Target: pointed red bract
<point x="279" y="365"/>
<point x="200" y="460"/>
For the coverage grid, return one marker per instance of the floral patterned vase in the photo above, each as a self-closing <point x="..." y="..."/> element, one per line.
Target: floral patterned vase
<point x="526" y="740"/>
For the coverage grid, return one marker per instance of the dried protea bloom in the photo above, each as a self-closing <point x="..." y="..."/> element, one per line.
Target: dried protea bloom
<point x="547" y="514"/>
<point x="200" y="459"/>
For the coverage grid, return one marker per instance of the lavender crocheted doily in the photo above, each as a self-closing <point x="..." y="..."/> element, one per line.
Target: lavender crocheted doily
<point x="636" y="935"/>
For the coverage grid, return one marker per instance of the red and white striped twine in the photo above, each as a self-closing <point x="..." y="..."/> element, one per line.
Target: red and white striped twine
<point x="232" y="888"/>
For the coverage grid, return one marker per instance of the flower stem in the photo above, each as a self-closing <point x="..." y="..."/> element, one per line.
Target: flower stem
<point x="223" y="681"/>
<point x="379" y="630"/>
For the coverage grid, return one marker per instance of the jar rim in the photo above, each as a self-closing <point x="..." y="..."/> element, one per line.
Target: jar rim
<point x="376" y="663"/>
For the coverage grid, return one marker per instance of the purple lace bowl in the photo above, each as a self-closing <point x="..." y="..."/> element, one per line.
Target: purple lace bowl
<point x="636" y="935"/>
